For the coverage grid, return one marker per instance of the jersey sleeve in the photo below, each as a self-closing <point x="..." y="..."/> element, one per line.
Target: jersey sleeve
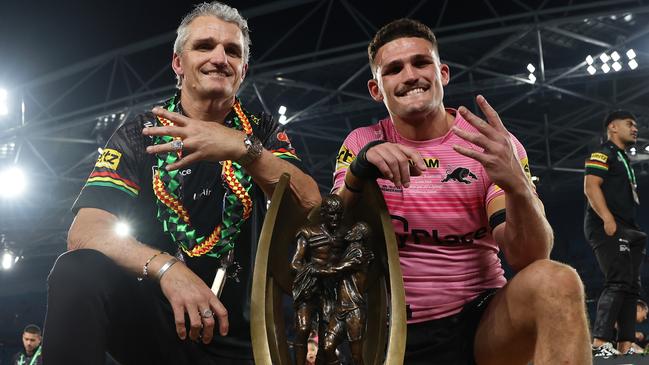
<point x="598" y="162"/>
<point x="275" y="140"/>
<point x="493" y="190"/>
<point x="346" y="154"/>
<point x="115" y="181"/>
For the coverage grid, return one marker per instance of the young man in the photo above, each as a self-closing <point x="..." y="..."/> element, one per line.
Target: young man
<point x="186" y="223"/>
<point x="458" y="190"/>
<point x="32" y="345"/>
<point x="613" y="233"/>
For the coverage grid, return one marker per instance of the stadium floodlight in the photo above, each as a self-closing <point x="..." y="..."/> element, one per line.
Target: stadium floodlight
<point x="616" y="66"/>
<point x="633" y="64"/>
<point x="615" y="56"/>
<point x="12" y="182"/>
<point x="530" y="67"/>
<point x="282" y="110"/>
<point x="591" y="70"/>
<point x="606" y="68"/>
<point x="628" y="17"/>
<point x="282" y="119"/>
<point x="630" y="54"/>
<point x="532" y="78"/>
<point x="604" y="57"/>
<point x="7" y="259"/>
<point x="633" y="151"/>
<point x="122" y="229"/>
<point x="589" y="59"/>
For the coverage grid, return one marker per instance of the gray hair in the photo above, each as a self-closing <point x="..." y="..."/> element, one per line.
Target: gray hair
<point x="217" y="10"/>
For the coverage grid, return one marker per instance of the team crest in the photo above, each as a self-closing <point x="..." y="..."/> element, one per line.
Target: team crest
<point x="461" y="175"/>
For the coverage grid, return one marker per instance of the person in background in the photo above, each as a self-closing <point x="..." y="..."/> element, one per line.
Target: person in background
<point x="31" y="355"/>
<point x="612" y="231"/>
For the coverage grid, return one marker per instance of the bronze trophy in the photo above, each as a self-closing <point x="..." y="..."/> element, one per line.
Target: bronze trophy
<point x="341" y="271"/>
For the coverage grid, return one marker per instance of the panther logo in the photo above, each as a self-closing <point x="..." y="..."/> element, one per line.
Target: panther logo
<point x="460" y="174"/>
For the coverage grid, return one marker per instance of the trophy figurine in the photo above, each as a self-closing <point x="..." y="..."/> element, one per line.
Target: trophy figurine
<point x="342" y="275"/>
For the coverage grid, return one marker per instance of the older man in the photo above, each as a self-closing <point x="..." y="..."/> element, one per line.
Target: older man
<point x="191" y="180"/>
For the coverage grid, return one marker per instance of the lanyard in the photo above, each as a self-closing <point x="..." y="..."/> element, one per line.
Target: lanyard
<point x="629" y="170"/>
<point x="36" y="355"/>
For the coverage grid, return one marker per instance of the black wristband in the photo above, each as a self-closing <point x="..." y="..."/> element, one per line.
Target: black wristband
<point x="362" y="168"/>
<point x="497" y="218"/>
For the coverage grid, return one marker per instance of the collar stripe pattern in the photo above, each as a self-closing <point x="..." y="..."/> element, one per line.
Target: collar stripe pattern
<point x="174" y="216"/>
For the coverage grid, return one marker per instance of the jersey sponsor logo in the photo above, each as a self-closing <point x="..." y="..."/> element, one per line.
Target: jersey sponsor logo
<point x="433" y="236"/>
<point x="460" y="174"/>
<point x="109" y="159"/>
<point x="431" y="162"/>
<point x="205" y="192"/>
<point x="598" y="156"/>
<point x="526" y="167"/>
<point x="345" y="156"/>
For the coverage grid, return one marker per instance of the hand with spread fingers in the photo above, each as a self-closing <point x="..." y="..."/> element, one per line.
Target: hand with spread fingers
<point x="396" y="162"/>
<point x="498" y="156"/>
<point x="187" y="293"/>
<point x="198" y="140"/>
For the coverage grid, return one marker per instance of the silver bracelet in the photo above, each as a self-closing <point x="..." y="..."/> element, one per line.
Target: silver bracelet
<point x="165" y="267"/>
<point x="145" y="268"/>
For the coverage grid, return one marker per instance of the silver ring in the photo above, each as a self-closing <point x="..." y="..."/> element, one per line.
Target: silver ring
<point x="207" y="313"/>
<point x="177" y="144"/>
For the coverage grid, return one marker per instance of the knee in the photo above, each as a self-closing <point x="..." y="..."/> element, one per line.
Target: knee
<point x="78" y="270"/>
<point x="558" y="281"/>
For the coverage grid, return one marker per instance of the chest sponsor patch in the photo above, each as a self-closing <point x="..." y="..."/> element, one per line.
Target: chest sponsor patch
<point x="109" y="159"/>
<point x="597" y="156"/>
<point x="431" y="162"/>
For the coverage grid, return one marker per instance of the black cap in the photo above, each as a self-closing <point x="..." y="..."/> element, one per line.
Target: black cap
<point x="618" y="114"/>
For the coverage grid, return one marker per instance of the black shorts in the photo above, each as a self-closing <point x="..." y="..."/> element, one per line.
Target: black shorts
<point x="447" y="340"/>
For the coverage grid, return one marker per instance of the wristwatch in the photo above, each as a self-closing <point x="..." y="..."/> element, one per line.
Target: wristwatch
<point x="253" y="150"/>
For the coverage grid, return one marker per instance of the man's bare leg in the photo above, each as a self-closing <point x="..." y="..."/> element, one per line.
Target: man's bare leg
<point x="538" y="315"/>
<point x="624" y="346"/>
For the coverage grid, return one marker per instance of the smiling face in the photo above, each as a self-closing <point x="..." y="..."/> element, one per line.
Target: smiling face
<point x="211" y="63"/>
<point x="409" y="78"/>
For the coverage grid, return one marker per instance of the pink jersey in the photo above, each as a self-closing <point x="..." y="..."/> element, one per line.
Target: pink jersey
<point x="447" y="253"/>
